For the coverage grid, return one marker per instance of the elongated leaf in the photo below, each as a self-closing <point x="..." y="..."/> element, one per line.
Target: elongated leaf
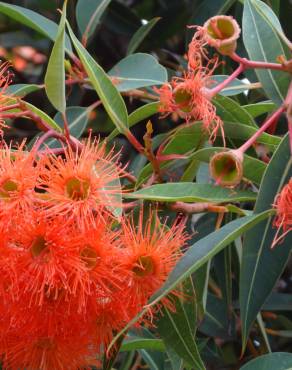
<point x="278" y="302"/>
<point x="38" y="112"/>
<point x="154" y="360"/>
<point x="229" y="110"/>
<point x="134" y="343"/>
<point x="256" y="251"/>
<point x="177" y="330"/>
<point x="235" y="87"/>
<point x="140" y="35"/>
<point x="197" y="255"/>
<point x="110" y="97"/>
<point x="77" y="118"/>
<point x="88" y="14"/>
<point x="138" y="70"/>
<point x="273" y="361"/>
<point x="137" y="116"/>
<point x="271" y="18"/>
<point x="33" y="20"/>
<point x="22" y="90"/>
<point x="55" y="75"/>
<point x="257" y="109"/>
<point x="217" y="321"/>
<point x="190" y="192"/>
<point x="206" y="248"/>
<point x="263" y="44"/>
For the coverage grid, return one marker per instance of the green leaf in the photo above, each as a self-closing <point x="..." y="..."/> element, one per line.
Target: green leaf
<point x="278" y="302"/>
<point x="77" y="118"/>
<point x="42" y="115"/>
<point x="196" y="256"/>
<point x="33" y="20"/>
<point x="134" y="343"/>
<point x="107" y="92"/>
<point x="178" y="331"/>
<point x="257" y="109"/>
<point x="55" y="75"/>
<point x="256" y="251"/>
<point x="229" y="110"/>
<point x="153" y="359"/>
<point x="263" y="44"/>
<point x="88" y="14"/>
<point x="206" y="248"/>
<point x="21" y="90"/>
<point x="235" y="87"/>
<point x="138" y="70"/>
<point x="217" y="322"/>
<point x="191" y="192"/>
<point x="271" y="18"/>
<point x="273" y="361"/>
<point x="140" y="35"/>
<point x="137" y="116"/>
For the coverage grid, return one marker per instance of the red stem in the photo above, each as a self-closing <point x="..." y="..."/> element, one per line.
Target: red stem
<point x="210" y="93"/>
<point x="252" y="64"/>
<point x="288" y="104"/>
<point x="134" y="142"/>
<point x="262" y="129"/>
<point x="44" y="137"/>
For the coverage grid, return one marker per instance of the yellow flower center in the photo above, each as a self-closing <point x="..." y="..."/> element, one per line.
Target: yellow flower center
<point x="38" y="246"/>
<point x="144" y="266"/>
<point x="7" y="187"/>
<point x="90" y="257"/>
<point x="183" y="99"/>
<point x="77" y="189"/>
<point x="45" y="343"/>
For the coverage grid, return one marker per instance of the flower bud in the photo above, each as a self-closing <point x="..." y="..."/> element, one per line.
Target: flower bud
<point x="222" y="32"/>
<point x="226" y="168"/>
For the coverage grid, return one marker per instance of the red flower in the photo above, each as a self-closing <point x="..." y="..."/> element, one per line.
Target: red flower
<point x="188" y="97"/>
<point x="47" y="351"/>
<point x="283" y="219"/>
<point x="49" y="260"/>
<point x="5" y="80"/>
<point x="18" y="177"/>
<point x="82" y="184"/>
<point x="151" y="251"/>
<point x="102" y="275"/>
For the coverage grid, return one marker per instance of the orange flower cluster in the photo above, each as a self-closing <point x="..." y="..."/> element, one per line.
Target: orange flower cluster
<point x="5" y="79"/>
<point x="70" y="278"/>
<point x="189" y="96"/>
<point x="283" y="219"/>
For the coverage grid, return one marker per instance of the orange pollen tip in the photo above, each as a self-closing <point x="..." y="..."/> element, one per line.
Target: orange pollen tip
<point x="90" y="257"/>
<point x="7" y="187"/>
<point x="144" y="266"/>
<point x="38" y="246"/>
<point x="77" y="189"/>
